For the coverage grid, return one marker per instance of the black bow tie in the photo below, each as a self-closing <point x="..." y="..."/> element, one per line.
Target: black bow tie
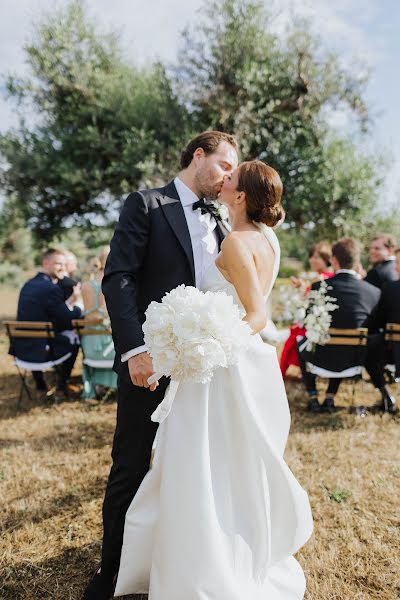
<point x="206" y="207"/>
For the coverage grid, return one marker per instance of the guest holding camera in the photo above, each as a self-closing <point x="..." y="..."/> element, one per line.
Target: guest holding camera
<point x="41" y="299"/>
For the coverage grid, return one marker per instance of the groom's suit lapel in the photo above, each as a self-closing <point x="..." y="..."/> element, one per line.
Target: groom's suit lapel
<point x="173" y="211"/>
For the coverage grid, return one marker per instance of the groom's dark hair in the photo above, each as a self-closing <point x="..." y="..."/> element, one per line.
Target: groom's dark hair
<point x="347" y="252"/>
<point x="209" y="141"/>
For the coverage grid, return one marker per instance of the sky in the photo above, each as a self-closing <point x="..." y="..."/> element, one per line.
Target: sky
<point x="361" y="31"/>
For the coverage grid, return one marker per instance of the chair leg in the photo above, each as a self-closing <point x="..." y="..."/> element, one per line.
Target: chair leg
<point x="353" y="395"/>
<point x="24" y="386"/>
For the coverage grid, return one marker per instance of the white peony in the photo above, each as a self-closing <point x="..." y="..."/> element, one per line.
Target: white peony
<point x="318" y="316"/>
<point x="190" y="333"/>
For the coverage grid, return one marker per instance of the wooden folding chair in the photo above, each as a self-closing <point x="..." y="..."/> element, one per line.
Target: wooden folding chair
<point x="358" y="338"/>
<point x="87" y="326"/>
<point x="28" y="330"/>
<point x="392" y="343"/>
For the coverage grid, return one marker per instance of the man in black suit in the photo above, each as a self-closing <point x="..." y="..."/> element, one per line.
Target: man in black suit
<point x="381" y="257"/>
<point x="41" y="299"/>
<point x="356" y="300"/>
<point x="388" y="311"/>
<point x="160" y="242"/>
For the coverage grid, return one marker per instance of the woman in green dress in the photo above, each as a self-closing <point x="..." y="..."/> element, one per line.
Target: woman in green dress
<point x="98" y="350"/>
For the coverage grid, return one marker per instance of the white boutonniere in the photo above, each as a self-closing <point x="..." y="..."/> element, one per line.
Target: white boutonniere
<point x="220" y="212"/>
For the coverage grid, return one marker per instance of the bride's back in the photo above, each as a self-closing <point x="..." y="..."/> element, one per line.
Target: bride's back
<point x="251" y="246"/>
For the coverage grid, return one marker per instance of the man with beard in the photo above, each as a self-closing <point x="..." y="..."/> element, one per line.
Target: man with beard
<point x="381" y="257"/>
<point x="165" y="237"/>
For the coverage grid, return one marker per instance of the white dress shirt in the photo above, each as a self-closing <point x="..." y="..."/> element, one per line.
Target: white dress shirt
<point x="203" y="237"/>
<point x="349" y="272"/>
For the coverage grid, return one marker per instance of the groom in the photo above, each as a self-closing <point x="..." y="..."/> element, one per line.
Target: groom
<point x="165" y="237"/>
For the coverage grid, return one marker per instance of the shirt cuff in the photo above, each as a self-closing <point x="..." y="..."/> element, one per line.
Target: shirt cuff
<point x="134" y="352"/>
<point x="69" y="305"/>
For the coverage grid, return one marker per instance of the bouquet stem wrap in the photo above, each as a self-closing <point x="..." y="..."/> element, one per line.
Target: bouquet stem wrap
<point x="164" y="408"/>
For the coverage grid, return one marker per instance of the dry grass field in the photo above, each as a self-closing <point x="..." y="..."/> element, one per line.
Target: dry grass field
<point x="54" y="461"/>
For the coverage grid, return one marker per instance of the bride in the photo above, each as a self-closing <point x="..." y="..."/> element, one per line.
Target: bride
<point x="220" y="515"/>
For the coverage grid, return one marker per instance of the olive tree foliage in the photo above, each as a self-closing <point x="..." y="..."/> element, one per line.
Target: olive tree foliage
<point x="97" y="127"/>
<point x="92" y="126"/>
<point x="276" y="90"/>
<point x="16" y="241"/>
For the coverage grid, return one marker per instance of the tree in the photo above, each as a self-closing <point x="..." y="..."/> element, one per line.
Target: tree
<point x="102" y="126"/>
<point x="275" y="92"/>
<point x="16" y="241"/>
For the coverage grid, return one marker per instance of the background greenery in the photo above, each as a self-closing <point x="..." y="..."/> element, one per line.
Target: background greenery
<point x="93" y="126"/>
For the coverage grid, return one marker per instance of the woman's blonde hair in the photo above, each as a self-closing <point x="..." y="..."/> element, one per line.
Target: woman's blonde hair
<point x="99" y="262"/>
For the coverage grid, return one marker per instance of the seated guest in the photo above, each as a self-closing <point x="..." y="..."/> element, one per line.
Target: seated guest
<point x="41" y="299"/>
<point x="381" y="257"/>
<point x="388" y="311"/>
<point x="97" y="347"/>
<point x="67" y="279"/>
<point x="320" y="260"/>
<point x="356" y="299"/>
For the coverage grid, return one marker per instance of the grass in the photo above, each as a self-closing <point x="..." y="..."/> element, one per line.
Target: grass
<point x="54" y="463"/>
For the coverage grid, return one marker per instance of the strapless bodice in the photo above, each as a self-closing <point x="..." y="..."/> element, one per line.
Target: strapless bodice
<point x="214" y="281"/>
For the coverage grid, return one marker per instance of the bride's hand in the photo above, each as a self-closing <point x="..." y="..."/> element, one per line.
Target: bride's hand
<point x="140" y="369"/>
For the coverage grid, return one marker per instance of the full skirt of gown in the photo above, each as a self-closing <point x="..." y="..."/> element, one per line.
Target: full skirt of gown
<point x="220" y="515"/>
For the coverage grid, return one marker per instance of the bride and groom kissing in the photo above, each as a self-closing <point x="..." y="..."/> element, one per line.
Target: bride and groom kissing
<point x="219" y="515"/>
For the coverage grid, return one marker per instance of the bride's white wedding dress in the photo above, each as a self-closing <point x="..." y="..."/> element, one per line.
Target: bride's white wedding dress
<point x="220" y="515"/>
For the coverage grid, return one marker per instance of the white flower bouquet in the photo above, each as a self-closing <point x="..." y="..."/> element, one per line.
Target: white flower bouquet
<point x="318" y="317"/>
<point x="292" y="305"/>
<point x="191" y="333"/>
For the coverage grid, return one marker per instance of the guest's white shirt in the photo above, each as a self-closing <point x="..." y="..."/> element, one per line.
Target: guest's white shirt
<point x="348" y="271"/>
<point x="203" y="237"/>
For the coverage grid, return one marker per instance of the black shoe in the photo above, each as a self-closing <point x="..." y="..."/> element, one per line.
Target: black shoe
<point x="328" y="405"/>
<point x="388" y="403"/>
<point x="314" y="405"/>
<point x="101" y="587"/>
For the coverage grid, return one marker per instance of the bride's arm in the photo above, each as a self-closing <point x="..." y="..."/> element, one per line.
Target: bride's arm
<point x="238" y="262"/>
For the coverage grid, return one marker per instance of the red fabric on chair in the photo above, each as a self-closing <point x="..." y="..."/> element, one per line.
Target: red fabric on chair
<point x="289" y="352"/>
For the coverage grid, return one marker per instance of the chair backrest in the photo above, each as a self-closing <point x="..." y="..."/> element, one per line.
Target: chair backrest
<point x="348" y="337"/>
<point x="392" y="339"/>
<point x="29" y="329"/>
<point x="392" y="332"/>
<point x="87" y="326"/>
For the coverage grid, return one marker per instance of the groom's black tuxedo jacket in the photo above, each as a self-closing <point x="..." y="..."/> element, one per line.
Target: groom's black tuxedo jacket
<point x="151" y="254"/>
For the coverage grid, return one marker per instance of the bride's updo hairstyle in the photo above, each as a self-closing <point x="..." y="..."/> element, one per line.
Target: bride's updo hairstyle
<point x="263" y="188"/>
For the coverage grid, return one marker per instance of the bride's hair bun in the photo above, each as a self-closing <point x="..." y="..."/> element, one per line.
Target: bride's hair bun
<point x="263" y="188"/>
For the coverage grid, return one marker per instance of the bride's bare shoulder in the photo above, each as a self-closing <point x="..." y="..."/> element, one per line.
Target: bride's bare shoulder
<point x="236" y="242"/>
<point x="248" y="241"/>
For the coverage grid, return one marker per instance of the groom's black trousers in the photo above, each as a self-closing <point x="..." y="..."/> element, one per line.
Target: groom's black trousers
<point x="131" y="454"/>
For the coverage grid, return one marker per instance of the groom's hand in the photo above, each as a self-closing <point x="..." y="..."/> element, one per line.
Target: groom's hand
<point x="140" y="369"/>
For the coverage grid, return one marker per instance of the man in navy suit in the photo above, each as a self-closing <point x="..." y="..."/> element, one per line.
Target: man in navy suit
<point x="42" y="300"/>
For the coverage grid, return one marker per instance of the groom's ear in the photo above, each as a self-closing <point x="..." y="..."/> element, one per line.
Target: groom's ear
<point x="198" y="153"/>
